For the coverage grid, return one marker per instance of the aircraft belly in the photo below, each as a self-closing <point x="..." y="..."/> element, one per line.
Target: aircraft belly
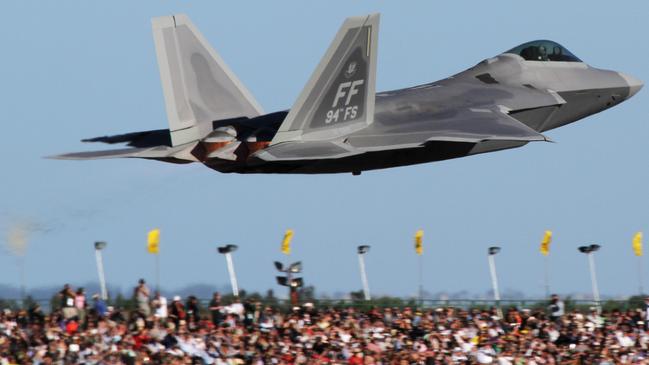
<point x="435" y="151"/>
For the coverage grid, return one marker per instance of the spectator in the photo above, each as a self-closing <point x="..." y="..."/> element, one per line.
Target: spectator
<point x="141" y="295"/>
<point x="80" y="305"/>
<point x="193" y="310"/>
<point x="99" y="306"/>
<point x="67" y="302"/>
<point x="159" y="304"/>
<point x="646" y="313"/>
<point x="36" y="315"/>
<point x="177" y="311"/>
<point x="236" y="308"/>
<point x="320" y="335"/>
<point x="216" y="309"/>
<point x="556" y="307"/>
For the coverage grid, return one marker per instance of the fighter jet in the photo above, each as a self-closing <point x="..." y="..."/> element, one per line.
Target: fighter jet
<point x="340" y="124"/>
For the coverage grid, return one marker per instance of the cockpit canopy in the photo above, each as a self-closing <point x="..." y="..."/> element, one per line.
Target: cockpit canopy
<point x="544" y="50"/>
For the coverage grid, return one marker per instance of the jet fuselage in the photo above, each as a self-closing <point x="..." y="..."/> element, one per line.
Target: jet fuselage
<point x="338" y="122"/>
<point x="542" y="95"/>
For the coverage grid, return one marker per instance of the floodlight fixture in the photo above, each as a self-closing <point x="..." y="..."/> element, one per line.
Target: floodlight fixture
<point x="295" y="267"/>
<point x="227" y="249"/>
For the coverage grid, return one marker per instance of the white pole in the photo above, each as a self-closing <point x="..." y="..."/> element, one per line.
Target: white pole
<point x="420" y="293"/>
<point x="233" y="278"/>
<point x="100" y="272"/>
<point x="366" y="286"/>
<point x="157" y="272"/>
<point x="640" y="275"/>
<point x="23" y="286"/>
<point x="494" y="278"/>
<point x="547" y="277"/>
<point x="494" y="282"/>
<point x="593" y="279"/>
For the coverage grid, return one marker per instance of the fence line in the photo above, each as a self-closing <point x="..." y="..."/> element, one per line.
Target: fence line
<point x="570" y="304"/>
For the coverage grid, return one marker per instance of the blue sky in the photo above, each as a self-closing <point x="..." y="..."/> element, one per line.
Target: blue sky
<point x="77" y="69"/>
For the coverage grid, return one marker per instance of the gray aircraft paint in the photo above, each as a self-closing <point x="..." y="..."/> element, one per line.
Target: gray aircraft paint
<point x="502" y="102"/>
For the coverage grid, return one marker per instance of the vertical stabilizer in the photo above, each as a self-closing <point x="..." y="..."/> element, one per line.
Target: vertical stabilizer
<point x="339" y="97"/>
<point x="198" y="86"/>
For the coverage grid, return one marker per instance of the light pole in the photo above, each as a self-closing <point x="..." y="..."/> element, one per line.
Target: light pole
<point x="637" y="249"/>
<point x="100" y="245"/>
<point x="362" y="250"/>
<point x="491" y="253"/>
<point x="289" y="281"/>
<point x="590" y="251"/>
<point x="227" y="250"/>
<point x="419" y="250"/>
<point x="153" y="247"/>
<point x="545" y="251"/>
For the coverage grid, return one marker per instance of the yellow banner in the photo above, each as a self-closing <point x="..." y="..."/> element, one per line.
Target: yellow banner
<point x="153" y="241"/>
<point x="419" y="242"/>
<point x="545" y="243"/>
<point x="286" y="242"/>
<point x="637" y="244"/>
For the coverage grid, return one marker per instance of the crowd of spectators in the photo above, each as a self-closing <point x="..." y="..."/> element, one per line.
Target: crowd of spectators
<point x="181" y="332"/>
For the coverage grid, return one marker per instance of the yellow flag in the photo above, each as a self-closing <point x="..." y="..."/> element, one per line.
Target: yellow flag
<point x="286" y="242"/>
<point x="545" y="243"/>
<point x="153" y="241"/>
<point x="637" y="244"/>
<point x="419" y="244"/>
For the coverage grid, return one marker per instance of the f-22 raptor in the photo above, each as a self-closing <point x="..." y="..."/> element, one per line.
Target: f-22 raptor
<point x="339" y="124"/>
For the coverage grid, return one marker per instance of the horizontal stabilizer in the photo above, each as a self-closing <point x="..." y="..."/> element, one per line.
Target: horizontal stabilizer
<point x="159" y="137"/>
<point x="181" y="153"/>
<point x="96" y="155"/>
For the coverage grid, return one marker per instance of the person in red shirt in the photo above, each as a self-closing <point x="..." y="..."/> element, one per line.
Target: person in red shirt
<point x="357" y="358"/>
<point x="71" y="327"/>
<point x="141" y="338"/>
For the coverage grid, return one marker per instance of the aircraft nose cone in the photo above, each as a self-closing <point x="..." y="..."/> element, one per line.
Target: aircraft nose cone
<point x="634" y="84"/>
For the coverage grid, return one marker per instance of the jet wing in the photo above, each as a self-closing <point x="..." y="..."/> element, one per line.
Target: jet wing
<point x="473" y="125"/>
<point x="481" y="124"/>
<point x="311" y="150"/>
